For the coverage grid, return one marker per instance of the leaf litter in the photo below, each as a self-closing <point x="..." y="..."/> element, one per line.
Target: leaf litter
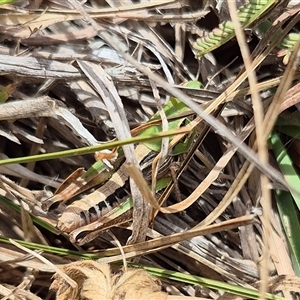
<point x="49" y="105"/>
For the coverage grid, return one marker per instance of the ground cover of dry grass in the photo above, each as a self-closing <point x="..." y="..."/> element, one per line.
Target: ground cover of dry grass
<point x="57" y="74"/>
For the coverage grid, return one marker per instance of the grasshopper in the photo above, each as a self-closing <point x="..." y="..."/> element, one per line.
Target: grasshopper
<point x="112" y="200"/>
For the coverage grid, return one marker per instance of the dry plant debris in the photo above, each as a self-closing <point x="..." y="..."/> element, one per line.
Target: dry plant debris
<point x="97" y="281"/>
<point x="49" y="102"/>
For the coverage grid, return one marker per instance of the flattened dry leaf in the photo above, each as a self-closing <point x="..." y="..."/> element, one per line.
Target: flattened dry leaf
<point x="29" y="108"/>
<point x="95" y="281"/>
<point x="5" y="132"/>
<point x="137" y="284"/>
<point x="285" y="283"/>
<point x="40" y="68"/>
<point x="24" y="24"/>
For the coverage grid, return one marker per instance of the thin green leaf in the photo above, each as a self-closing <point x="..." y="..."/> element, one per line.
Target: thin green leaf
<point x="36" y="220"/>
<point x="210" y="283"/>
<point x="286" y="166"/>
<point x="290" y="223"/>
<point x="172" y="108"/>
<point x="91" y="149"/>
<point x="286" y="202"/>
<point x="7" y="91"/>
<point x="2" y="2"/>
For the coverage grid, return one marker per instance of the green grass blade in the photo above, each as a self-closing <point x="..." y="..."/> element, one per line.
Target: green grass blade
<point x="290" y="223"/>
<point x="288" y="203"/>
<point x="210" y="283"/>
<point x="286" y="166"/>
<point x="36" y="220"/>
<point x="2" y="2"/>
<point x="91" y="149"/>
<point x="48" y="249"/>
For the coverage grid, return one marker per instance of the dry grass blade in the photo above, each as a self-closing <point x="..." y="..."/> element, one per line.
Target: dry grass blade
<point x="178" y="237"/>
<point x="32" y="22"/>
<point x="260" y="140"/>
<point x="114" y="105"/>
<point x="40" y="68"/>
<point x="24" y="109"/>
